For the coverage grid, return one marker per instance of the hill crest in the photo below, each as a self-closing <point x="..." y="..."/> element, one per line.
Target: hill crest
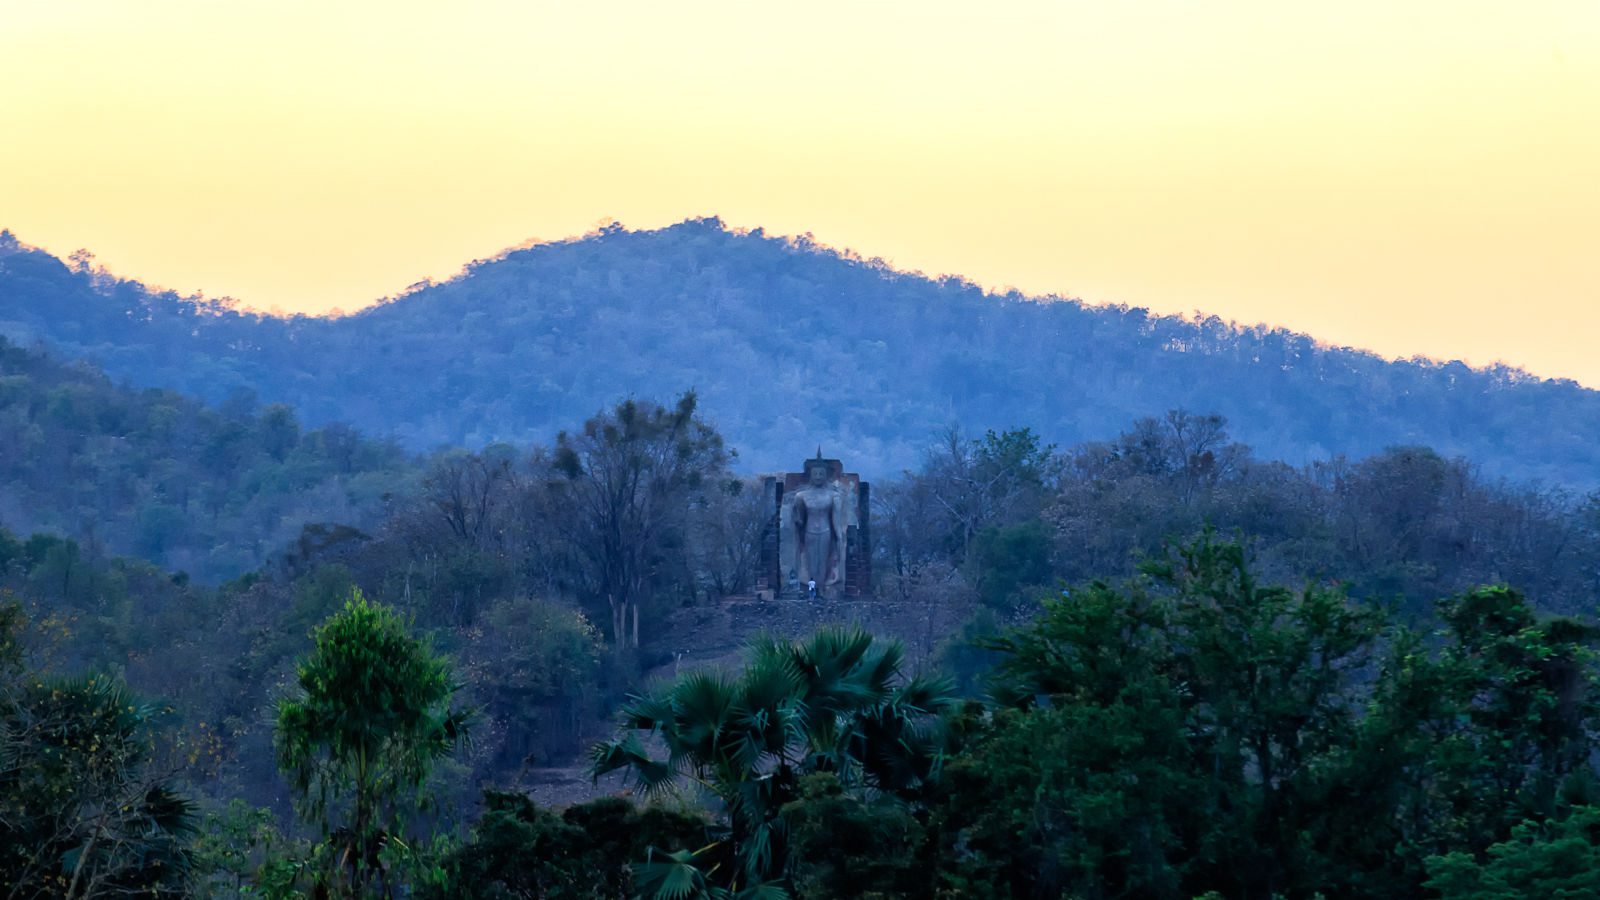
<point x="789" y="342"/>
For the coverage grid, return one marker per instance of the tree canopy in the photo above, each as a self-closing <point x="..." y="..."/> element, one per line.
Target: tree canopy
<point x="369" y="721"/>
<point x="787" y="340"/>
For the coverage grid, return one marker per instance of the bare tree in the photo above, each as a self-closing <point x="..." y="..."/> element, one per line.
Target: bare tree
<point x="629" y="474"/>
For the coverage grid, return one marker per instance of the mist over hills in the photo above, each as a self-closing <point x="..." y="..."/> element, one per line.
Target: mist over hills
<point x="789" y="344"/>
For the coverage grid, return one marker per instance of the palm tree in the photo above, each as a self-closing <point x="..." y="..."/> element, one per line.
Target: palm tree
<point x="79" y="809"/>
<point x="836" y="702"/>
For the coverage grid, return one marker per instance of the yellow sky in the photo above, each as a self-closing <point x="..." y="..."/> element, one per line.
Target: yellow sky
<point x="1417" y="178"/>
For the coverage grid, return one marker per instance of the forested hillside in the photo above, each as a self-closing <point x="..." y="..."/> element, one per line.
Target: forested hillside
<point x="210" y="491"/>
<point x="787" y="343"/>
<point x="1103" y="659"/>
<point x="245" y="656"/>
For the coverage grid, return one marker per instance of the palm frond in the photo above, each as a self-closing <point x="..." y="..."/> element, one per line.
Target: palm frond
<point x="760" y="853"/>
<point x="766" y="717"/>
<point x="672" y="876"/>
<point x="832" y="652"/>
<point x="702" y="705"/>
<point x="628" y="753"/>
<point x="883" y="666"/>
<point x="925" y="694"/>
<point x="766" y="890"/>
<point x="648" y="711"/>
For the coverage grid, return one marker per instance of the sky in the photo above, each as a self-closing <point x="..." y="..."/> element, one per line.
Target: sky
<point x="1415" y="178"/>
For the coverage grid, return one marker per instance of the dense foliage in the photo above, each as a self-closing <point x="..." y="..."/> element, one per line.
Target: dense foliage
<point x="1003" y="517"/>
<point x="1198" y="731"/>
<point x="210" y="491"/>
<point x="626" y="481"/>
<point x="83" y="813"/>
<point x="785" y="341"/>
<point x="836" y="703"/>
<point x="357" y="740"/>
<point x="1148" y="714"/>
<point x="520" y="849"/>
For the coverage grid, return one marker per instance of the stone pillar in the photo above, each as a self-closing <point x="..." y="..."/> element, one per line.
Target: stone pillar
<point x="858" y="571"/>
<point x="768" y="576"/>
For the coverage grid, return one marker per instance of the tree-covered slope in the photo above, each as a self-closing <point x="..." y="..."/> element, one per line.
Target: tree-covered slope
<point x="212" y="491"/>
<point x="789" y="344"/>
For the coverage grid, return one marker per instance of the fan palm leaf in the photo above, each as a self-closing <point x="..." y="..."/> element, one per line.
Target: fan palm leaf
<point x="835" y="702"/>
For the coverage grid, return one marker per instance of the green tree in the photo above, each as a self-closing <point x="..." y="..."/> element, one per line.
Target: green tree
<point x="836" y="702"/>
<point x="280" y="431"/>
<point x="1083" y="781"/>
<point x="1010" y="560"/>
<point x="850" y="844"/>
<point x="1553" y="859"/>
<point x="81" y="815"/>
<point x="999" y="479"/>
<point x="236" y="850"/>
<point x="369" y="720"/>
<point x="1514" y="736"/>
<point x="1472" y="748"/>
<point x="535" y="668"/>
<point x="519" y="849"/>
<point x="1268" y="671"/>
<point x="1177" y="735"/>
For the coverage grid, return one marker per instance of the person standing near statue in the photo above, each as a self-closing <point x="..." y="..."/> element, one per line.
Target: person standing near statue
<point x="818" y="517"/>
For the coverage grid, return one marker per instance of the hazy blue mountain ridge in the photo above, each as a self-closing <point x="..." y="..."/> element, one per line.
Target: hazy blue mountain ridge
<point x="789" y="344"/>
